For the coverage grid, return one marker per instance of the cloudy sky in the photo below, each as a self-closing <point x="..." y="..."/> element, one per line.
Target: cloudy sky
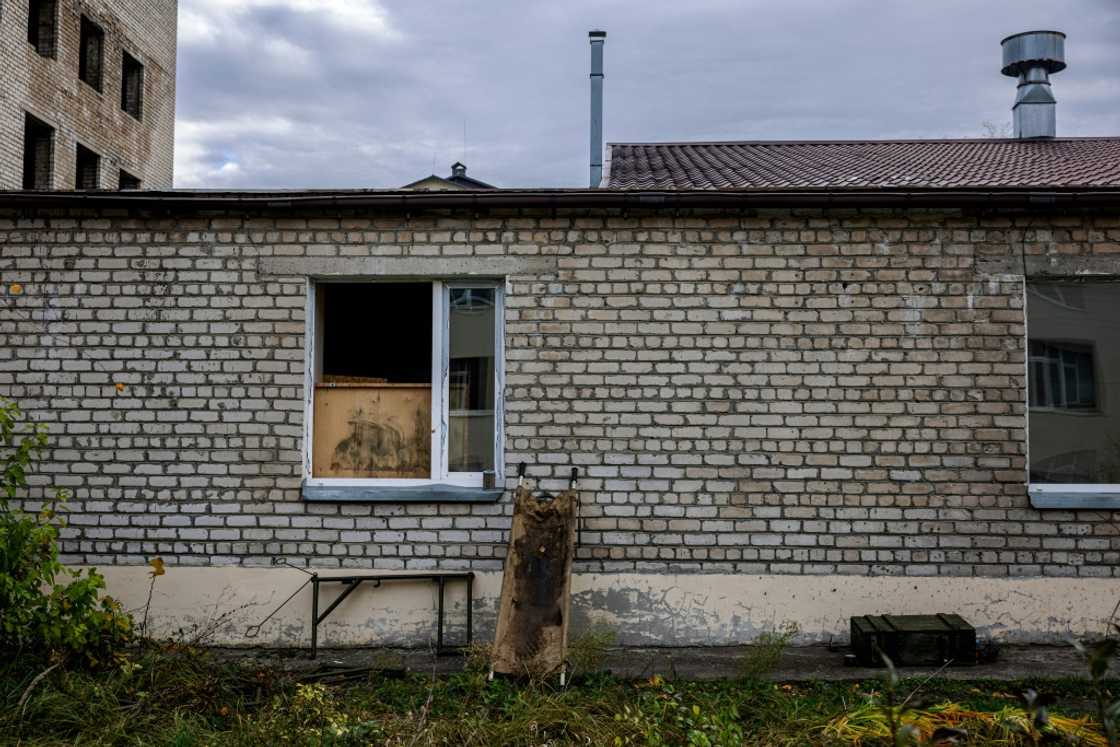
<point x="378" y="93"/>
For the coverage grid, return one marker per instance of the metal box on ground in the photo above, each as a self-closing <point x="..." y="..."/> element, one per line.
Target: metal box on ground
<point x="913" y="640"/>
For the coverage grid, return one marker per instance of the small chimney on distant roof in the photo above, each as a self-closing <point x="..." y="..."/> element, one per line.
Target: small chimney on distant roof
<point x="1031" y="57"/>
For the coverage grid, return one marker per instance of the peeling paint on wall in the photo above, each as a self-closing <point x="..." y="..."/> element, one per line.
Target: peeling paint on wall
<point x="642" y="609"/>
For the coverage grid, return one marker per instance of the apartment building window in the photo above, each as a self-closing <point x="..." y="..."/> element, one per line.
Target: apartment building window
<point x="42" y="26"/>
<point x="87" y="169"/>
<point x="132" y="86"/>
<point x="38" y="153"/>
<point x="128" y="181"/>
<point x="91" y="53"/>
<point x="1073" y="372"/>
<point x="406" y="382"/>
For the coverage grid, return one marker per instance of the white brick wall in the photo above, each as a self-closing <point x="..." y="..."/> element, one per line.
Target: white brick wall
<point x="791" y="392"/>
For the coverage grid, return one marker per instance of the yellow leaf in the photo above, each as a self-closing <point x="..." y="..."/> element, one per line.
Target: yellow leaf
<point x="120" y="387"/>
<point x="15" y="289"/>
<point x="157" y="565"/>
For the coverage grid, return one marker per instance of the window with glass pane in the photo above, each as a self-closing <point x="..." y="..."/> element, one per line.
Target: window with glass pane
<point x="1073" y="365"/>
<point x="471" y="379"/>
<point x="405" y="379"/>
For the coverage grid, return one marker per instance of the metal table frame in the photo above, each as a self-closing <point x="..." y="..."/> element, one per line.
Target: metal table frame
<point x="353" y="581"/>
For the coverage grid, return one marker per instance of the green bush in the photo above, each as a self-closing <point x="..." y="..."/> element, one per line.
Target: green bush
<point x="46" y="608"/>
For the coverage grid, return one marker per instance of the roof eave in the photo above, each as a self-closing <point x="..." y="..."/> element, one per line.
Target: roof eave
<point x="572" y="198"/>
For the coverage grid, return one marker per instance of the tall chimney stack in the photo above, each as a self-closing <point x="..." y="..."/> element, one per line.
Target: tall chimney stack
<point x="597" y="39"/>
<point x="1031" y="57"/>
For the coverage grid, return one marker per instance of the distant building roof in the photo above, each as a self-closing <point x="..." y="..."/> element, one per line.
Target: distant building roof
<point x="869" y="164"/>
<point x="457" y="180"/>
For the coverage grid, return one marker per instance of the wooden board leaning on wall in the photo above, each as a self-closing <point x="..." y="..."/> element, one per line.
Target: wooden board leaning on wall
<point x="371" y="430"/>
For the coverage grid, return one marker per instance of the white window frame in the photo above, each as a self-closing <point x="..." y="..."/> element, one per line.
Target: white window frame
<point x="1066" y="496"/>
<point x="441" y="294"/>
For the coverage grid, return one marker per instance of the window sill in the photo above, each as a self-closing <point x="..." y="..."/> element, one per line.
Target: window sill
<point x="1069" y="497"/>
<point x="434" y="493"/>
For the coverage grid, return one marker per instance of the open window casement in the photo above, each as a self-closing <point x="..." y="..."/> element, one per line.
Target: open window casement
<point x="405" y="387"/>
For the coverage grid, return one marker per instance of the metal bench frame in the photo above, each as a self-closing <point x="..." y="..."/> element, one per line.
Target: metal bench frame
<point x="353" y="581"/>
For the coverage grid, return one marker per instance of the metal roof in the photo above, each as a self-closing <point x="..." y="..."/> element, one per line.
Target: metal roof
<point x="1063" y="163"/>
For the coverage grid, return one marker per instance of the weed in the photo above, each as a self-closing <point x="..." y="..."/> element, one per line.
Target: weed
<point x="587" y="651"/>
<point x="761" y="656"/>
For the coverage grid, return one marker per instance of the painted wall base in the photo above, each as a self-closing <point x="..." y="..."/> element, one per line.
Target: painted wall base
<point x="219" y="604"/>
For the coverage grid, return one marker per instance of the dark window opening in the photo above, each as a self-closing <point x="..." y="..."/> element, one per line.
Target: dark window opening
<point x="86" y="170"/>
<point x="128" y="181"/>
<point x="42" y="26"/>
<point x="38" y="153"/>
<point x="377" y="331"/>
<point x="132" y="86"/>
<point x="373" y="398"/>
<point x="90" y="59"/>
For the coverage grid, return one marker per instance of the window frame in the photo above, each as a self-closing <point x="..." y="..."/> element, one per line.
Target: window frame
<point x="1051" y="495"/>
<point x="441" y="477"/>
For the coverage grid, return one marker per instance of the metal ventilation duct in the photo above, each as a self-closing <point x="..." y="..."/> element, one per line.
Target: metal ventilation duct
<point x="1031" y="57"/>
<point x="597" y="39"/>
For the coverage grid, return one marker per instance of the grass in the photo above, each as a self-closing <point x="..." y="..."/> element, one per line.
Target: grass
<point x="183" y="696"/>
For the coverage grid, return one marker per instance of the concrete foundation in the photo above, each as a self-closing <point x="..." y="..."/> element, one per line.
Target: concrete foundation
<point x="219" y="604"/>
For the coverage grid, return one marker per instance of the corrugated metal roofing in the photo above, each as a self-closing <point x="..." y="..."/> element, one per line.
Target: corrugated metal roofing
<point x="843" y="165"/>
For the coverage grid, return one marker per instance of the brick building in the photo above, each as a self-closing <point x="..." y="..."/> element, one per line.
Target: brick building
<point x="786" y="401"/>
<point x="87" y="94"/>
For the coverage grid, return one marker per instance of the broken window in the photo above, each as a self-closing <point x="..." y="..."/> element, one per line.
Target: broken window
<point x="1073" y="366"/>
<point x="38" y="153"/>
<point x="90" y="57"/>
<point x="42" y="26"/>
<point x="128" y="181"/>
<point x="406" y="382"/>
<point x="132" y="86"/>
<point x="87" y="169"/>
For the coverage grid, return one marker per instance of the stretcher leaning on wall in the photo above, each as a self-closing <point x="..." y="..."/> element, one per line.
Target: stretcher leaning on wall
<point x="532" y="634"/>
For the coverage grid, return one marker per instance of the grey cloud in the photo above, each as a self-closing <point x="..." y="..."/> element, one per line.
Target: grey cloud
<point x="346" y="108"/>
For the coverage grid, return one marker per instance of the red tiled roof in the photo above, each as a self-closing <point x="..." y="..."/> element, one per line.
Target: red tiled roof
<point x="840" y="165"/>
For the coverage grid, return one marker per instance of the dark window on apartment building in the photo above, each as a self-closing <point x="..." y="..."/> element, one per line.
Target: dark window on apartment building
<point x="42" y="26"/>
<point x="87" y="168"/>
<point x="132" y="86"/>
<point x="128" y="181"/>
<point x="91" y="57"/>
<point x="38" y="153"/>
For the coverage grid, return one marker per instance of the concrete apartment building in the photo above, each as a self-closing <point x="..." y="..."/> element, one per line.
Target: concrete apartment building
<point x="87" y="94"/>
<point x="800" y="381"/>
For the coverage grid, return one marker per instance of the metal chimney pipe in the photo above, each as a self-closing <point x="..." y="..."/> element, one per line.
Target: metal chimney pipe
<point x="597" y="39"/>
<point x="1031" y="57"/>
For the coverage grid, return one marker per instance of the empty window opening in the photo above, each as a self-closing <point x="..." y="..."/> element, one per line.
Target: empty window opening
<point x="128" y="181"/>
<point x="1073" y="357"/>
<point x="92" y="46"/>
<point x="373" y="395"/>
<point x="132" y="86"/>
<point x="42" y="26"/>
<point x="86" y="169"/>
<point x="38" y="153"/>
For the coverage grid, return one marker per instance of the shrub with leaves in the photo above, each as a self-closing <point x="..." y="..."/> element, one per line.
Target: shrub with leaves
<point x="46" y="608"/>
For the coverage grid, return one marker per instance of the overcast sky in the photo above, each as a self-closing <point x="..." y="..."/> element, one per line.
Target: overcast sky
<point x="378" y="93"/>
